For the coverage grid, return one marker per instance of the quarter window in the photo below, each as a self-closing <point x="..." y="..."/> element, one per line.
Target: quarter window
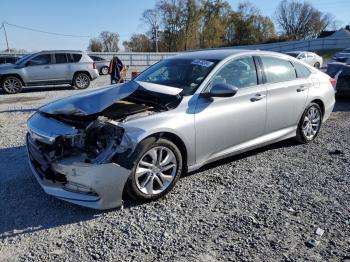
<point x="278" y="70"/>
<point x="61" y="58"/>
<point x="302" y="71"/>
<point x="76" y="57"/>
<point x="240" y="73"/>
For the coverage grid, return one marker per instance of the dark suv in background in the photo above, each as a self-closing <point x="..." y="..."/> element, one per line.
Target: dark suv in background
<point x="48" y="68"/>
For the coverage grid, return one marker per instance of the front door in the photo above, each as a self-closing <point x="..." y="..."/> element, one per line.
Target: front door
<point x="39" y="69"/>
<point x="223" y="123"/>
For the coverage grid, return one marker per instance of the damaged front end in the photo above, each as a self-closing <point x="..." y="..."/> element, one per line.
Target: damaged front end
<point x="71" y="154"/>
<point x="75" y="166"/>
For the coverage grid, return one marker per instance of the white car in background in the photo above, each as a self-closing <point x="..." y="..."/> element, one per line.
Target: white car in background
<point x="309" y="58"/>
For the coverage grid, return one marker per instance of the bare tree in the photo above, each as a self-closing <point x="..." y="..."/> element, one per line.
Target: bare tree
<point x="95" y="45"/>
<point x="109" y="41"/>
<point x="301" y="20"/>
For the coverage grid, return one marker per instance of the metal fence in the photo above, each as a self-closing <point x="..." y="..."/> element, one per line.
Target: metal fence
<point x="135" y="59"/>
<point x="139" y="61"/>
<point x="302" y="45"/>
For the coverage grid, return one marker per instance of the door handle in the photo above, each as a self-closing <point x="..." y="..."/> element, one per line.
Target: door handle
<point x="301" y="88"/>
<point x="46" y="67"/>
<point x="257" y="97"/>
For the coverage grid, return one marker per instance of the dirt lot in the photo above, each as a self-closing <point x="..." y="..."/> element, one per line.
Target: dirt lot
<point x="263" y="205"/>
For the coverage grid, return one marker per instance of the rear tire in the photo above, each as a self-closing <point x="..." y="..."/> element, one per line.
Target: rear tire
<point x="81" y="81"/>
<point x="309" y="124"/>
<point x="11" y="85"/>
<point x="104" y="70"/>
<point x="156" y="167"/>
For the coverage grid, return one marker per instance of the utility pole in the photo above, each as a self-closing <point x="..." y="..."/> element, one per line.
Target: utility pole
<point x="155" y="37"/>
<point x="7" y="41"/>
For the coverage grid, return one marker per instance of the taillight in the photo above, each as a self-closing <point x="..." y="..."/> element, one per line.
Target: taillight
<point x="94" y="65"/>
<point x="333" y="82"/>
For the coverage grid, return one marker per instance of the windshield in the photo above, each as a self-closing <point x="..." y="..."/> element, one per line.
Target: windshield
<point x="293" y="54"/>
<point x="185" y="74"/>
<point x="24" y="58"/>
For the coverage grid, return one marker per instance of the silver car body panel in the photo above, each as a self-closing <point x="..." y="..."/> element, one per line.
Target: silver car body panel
<point x="107" y="180"/>
<point x="210" y="129"/>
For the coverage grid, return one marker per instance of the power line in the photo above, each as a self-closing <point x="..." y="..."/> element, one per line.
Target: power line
<point x="46" y="32"/>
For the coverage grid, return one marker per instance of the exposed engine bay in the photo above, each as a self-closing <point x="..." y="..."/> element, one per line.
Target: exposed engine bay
<point x="98" y="137"/>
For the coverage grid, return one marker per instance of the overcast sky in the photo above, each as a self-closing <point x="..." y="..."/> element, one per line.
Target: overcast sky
<point x="90" y="17"/>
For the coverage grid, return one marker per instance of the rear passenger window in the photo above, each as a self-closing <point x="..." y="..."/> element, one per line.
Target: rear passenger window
<point x="61" y="58"/>
<point x="2" y="60"/>
<point x="76" y="57"/>
<point x="278" y="70"/>
<point x="302" y="71"/>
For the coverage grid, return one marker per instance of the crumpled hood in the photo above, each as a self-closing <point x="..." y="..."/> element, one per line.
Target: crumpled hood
<point x="91" y="102"/>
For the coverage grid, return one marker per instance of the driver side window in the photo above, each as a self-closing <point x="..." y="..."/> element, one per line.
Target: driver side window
<point x="240" y="73"/>
<point x="44" y="59"/>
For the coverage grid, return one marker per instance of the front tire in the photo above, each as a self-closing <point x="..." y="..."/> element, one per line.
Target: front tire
<point x="317" y="65"/>
<point x="157" y="166"/>
<point x="11" y="85"/>
<point x="81" y="81"/>
<point x="309" y="124"/>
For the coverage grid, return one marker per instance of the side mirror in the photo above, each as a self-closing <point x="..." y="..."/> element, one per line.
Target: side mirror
<point x="28" y="63"/>
<point x="221" y="90"/>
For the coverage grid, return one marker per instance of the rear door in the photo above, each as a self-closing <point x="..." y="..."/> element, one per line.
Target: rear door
<point x="60" y="67"/>
<point x="286" y="93"/>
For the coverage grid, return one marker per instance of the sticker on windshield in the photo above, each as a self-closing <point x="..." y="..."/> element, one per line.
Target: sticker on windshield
<point x="202" y="63"/>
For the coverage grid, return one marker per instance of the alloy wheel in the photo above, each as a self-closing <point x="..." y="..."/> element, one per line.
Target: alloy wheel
<point x="104" y="70"/>
<point x="82" y="81"/>
<point x="312" y="123"/>
<point x="156" y="170"/>
<point x="12" y="85"/>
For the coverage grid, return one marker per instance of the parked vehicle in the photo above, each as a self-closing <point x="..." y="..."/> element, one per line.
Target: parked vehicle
<point x="102" y="64"/>
<point x="176" y="116"/>
<point x="340" y="72"/>
<point x="309" y="58"/>
<point x="8" y="59"/>
<point x="48" y="68"/>
<point x="342" y="57"/>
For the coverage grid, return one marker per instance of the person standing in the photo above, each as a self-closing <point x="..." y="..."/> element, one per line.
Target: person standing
<point x="115" y="67"/>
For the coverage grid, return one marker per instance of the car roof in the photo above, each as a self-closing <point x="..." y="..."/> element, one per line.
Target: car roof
<point x="61" y="51"/>
<point x="223" y="53"/>
<point x="214" y="54"/>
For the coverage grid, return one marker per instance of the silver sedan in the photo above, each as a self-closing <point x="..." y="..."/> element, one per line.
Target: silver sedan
<point x="178" y="115"/>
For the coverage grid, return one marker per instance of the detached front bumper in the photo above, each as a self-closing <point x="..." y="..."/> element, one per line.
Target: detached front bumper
<point x="98" y="186"/>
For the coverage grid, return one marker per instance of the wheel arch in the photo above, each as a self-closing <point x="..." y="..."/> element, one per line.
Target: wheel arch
<point x="177" y="141"/>
<point x="84" y="72"/>
<point x="320" y="103"/>
<point x="2" y="77"/>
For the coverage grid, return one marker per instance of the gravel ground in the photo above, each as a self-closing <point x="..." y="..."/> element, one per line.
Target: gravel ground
<point x="263" y="205"/>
